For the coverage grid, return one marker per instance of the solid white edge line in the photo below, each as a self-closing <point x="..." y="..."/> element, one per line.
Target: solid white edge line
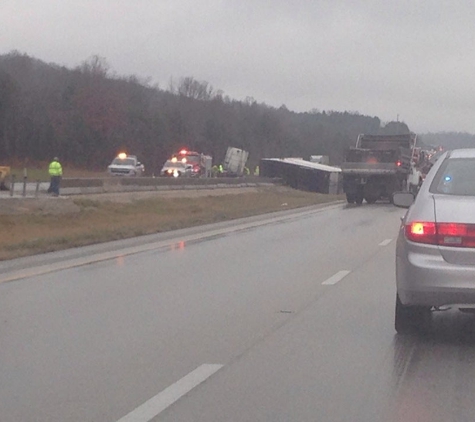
<point x="335" y="278"/>
<point x="157" y="404"/>
<point x="385" y="242"/>
<point x="104" y="256"/>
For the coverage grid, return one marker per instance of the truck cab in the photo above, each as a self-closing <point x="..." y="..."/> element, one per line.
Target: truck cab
<point x="4" y="173"/>
<point x="235" y="162"/>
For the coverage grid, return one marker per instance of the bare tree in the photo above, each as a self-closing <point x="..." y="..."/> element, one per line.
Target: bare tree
<point x="191" y="88"/>
<point x="95" y="65"/>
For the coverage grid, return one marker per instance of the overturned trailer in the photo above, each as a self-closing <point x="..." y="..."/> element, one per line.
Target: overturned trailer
<point x="301" y="174"/>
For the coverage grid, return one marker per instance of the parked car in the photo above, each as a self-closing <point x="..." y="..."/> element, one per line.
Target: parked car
<point x="435" y="252"/>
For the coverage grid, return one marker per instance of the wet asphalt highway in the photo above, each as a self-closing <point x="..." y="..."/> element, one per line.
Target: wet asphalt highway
<point x="279" y="321"/>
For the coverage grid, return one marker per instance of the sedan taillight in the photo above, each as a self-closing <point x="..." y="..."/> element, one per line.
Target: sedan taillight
<point x="442" y="234"/>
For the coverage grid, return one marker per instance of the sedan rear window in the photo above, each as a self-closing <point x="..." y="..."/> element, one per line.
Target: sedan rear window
<point x="456" y="176"/>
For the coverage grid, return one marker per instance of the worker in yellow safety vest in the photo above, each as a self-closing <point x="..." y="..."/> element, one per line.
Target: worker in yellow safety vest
<point x="56" y="172"/>
<point x="256" y="171"/>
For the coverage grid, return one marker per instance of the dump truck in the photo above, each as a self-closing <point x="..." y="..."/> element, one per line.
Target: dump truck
<point x="378" y="166"/>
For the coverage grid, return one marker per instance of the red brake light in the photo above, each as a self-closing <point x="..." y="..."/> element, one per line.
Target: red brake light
<point x="183" y="152"/>
<point x="455" y="234"/>
<point x="451" y="229"/>
<point x="398" y="163"/>
<point x="442" y="234"/>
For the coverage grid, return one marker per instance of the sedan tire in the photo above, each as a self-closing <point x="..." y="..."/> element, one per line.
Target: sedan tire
<point x="409" y="319"/>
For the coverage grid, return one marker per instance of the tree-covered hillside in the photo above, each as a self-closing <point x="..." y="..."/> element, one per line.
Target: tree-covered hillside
<point x="87" y="114"/>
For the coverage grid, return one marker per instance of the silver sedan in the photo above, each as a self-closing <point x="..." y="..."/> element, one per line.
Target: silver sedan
<point x="435" y="252"/>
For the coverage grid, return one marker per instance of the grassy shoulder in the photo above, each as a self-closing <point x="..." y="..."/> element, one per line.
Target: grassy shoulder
<point x="87" y="220"/>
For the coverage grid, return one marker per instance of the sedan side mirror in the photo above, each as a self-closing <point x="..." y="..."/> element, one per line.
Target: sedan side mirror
<point x="403" y="199"/>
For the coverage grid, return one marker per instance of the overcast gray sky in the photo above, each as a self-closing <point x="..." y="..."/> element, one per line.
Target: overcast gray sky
<point x="411" y="58"/>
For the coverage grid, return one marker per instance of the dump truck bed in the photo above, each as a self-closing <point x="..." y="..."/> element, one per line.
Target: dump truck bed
<point x="369" y="168"/>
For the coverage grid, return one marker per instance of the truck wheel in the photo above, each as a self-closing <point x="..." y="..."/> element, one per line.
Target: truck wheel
<point x="359" y="198"/>
<point x="370" y="199"/>
<point x="350" y="198"/>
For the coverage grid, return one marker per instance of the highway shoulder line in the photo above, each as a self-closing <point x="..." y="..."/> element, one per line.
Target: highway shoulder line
<point x="132" y="250"/>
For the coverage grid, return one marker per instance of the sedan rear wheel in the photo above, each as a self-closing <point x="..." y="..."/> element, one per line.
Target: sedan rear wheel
<point x="410" y="318"/>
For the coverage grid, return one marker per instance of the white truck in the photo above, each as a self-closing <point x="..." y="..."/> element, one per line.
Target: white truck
<point x="235" y="161"/>
<point x="126" y="165"/>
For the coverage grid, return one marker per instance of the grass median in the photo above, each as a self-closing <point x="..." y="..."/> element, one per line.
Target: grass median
<point x="96" y="219"/>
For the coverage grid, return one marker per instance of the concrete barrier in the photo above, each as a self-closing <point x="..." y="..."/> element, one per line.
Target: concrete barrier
<point x="81" y="186"/>
<point x="132" y="184"/>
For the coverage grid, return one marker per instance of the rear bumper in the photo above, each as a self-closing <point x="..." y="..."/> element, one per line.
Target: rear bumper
<point x="423" y="277"/>
<point x="122" y="173"/>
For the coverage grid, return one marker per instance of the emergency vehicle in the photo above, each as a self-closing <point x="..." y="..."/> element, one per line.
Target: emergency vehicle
<point x="187" y="163"/>
<point x="126" y="165"/>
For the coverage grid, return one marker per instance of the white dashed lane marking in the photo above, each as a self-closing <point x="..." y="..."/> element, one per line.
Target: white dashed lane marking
<point x="157" y="404"/>
<point x="335" y="278"/>
<point x="385" y="242"/>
